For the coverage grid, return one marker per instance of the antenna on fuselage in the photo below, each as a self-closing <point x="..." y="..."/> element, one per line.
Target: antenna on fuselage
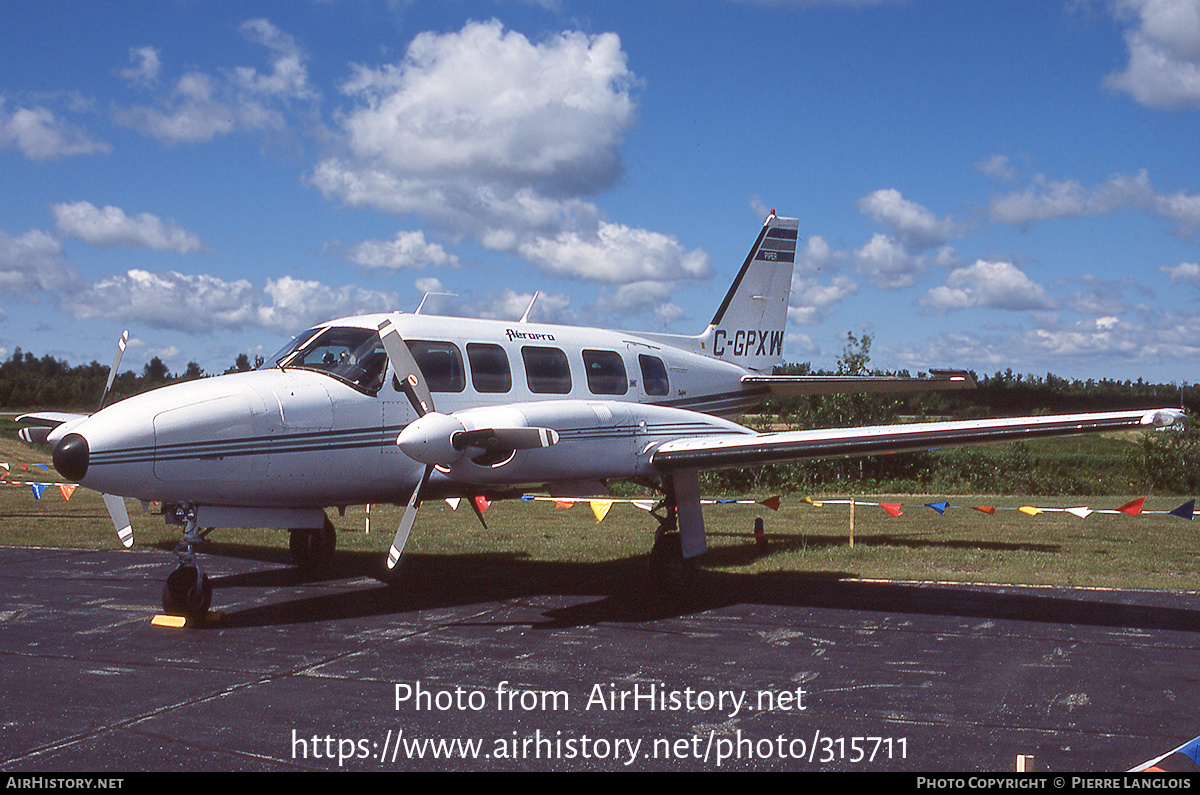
<point x="529" y="308"/>
<point x="426" y="296"/>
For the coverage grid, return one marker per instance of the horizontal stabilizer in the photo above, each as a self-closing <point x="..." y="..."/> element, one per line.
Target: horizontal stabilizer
<point x="800" y="385"/>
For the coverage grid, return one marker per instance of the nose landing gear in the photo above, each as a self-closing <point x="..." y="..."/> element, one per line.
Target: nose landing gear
<point x="188" y="591"/>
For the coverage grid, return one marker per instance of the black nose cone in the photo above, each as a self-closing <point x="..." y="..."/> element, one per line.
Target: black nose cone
<point x="71" y="457"/>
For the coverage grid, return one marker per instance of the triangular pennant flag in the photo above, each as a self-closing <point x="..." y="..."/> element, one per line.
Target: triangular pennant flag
<point x="1029" y="510"/>
<point x="1081" y="511"/>
<point x="645" y="505"/>
<point x="1133" y="508"/>
<point x="891" y="507"/>
<point x="482" y="503"/>
<point x="453" y="502"/>
<point x="771" y="502"/>
<point x="38" y="488"/>
<point x="25" y="467"/>
<point x="988" y="509"/>
<point x="563" y="503"/>
<point x="809" y="500"/>
<point x="940" y="507"/>
<point x="67" y="489"/>
<point x="42" y="467"/>
<point x="1186" y="511"/>
<point x="600" y="509"/>
<point x="4" y="465"/>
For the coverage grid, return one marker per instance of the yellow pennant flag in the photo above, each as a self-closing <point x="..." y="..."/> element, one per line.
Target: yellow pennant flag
<point x="809" y="500"/>
<point x="1029" y="509"/>
<point x="600" y="509"/>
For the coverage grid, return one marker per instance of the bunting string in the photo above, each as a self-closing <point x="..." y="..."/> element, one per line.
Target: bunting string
<point x="600" y="507"/>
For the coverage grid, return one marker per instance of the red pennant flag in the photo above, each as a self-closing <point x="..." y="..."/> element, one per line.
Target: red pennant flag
<point x="67" y="489"/>
<point x="482" y="503"/>
<point x="989" y="510"/>
<point x="771" y="502"/>
<point x="892" y="507"/>
<point x="1133" y="508"/>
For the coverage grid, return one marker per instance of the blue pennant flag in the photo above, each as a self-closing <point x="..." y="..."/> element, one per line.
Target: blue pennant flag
<point x="38" y="488"/>
<point x="1186" y="511"/>
<point x="940" y="507"/>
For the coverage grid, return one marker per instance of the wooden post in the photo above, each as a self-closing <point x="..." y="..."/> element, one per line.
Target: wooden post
<point x="852" y="521"/>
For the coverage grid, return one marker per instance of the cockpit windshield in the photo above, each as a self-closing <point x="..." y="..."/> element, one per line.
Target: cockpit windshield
<point x="353" y="355"/>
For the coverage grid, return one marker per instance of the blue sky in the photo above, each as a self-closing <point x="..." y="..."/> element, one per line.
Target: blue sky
<point x="986" y="185"/>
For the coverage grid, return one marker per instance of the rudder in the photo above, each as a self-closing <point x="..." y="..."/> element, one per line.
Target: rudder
<point x="748" y="328"/>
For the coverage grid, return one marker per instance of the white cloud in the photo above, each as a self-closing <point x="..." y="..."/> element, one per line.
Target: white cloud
<point x="1069" y="199"/>
<point x="146" y="67"/>
<point x="486" y="133"/>
<point x="110" y="227"/>
<point x="996" y="166"/>
<point x="203" y="303"/>
<point x="490" y="106"/>
<point x="408" y="249"/>
<point x="40" y="135"/>
<point x="1164" y="53"/>
<point x="817" y="286"/>
<point x="201" y="107"/>
<point x="1184" y="273"/>
<point x="34" y="262"/>
<point x="987" y="284"/>
<point x="915" y="226"/>
<point x="616" y="254"/>
<point x="297" y="304"/>
<point x="887" y="263"/>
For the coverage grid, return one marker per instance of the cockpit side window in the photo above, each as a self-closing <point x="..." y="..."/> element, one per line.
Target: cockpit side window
<point x="441" y="363"/>
<point x="353" y="355"/>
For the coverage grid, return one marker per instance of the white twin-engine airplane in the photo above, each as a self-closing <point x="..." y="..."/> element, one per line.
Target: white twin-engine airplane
<point x="399" y="408"/>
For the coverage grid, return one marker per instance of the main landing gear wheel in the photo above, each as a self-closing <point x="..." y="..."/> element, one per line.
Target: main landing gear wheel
<point x="312" y="548"/>
<point x="671" y="574"/>
<point x="188" y="593"/>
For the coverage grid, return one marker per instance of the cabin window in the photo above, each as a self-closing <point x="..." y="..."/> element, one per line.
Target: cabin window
<point x="441" y="363"/>
<point x="654" y="375"/>
<point x="605" y="373"/>
<point x="489" y="367"/>
<point x="546" y="370"/>
<point x="352" y="355"/>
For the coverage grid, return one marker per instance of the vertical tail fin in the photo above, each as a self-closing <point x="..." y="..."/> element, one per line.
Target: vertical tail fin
<point x="748" y="328"/>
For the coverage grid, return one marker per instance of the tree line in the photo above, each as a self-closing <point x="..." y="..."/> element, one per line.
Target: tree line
<point x="46" y="383"/>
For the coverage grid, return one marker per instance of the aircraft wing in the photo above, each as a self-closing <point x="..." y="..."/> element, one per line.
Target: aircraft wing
<point x="797" y="385"/>
<point x="719" y="452"/>
<point x="39" y="424"/>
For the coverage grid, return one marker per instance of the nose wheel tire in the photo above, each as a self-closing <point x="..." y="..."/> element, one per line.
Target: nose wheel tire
<point x="188" y="593"/>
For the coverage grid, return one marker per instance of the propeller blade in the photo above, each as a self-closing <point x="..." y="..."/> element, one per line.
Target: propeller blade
<point x="120" y="518"/>
<point x="407" y="521"/>
<point x="494" y="439"/>
<point x="112" y="371"/>
<point x="412" y="381"/>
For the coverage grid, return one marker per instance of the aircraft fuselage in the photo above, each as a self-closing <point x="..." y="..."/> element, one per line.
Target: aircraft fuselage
<point x="307" y="432"/>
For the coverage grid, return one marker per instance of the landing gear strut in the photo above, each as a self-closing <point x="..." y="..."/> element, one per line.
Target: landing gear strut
<point x="671" y="574"/>
<point x="188" y="591"/>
